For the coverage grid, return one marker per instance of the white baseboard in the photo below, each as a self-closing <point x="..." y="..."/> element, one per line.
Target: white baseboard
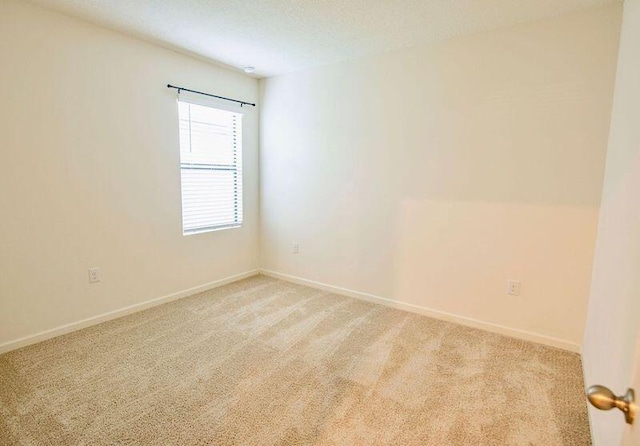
<point x="436" y="314"/>
<point x="73" y="326"/>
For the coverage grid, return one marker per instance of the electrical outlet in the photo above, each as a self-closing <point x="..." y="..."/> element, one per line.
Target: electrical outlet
<point x="94" y="275"/>
<point x="295" y="248"/>
<point x="513" y="287"/>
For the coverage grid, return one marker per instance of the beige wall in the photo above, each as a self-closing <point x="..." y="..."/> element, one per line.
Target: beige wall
<point x="612" y="336"/>
<point x="90" y="173"/>
<point x="432" y="175"/>
<point x="428" y="176"/>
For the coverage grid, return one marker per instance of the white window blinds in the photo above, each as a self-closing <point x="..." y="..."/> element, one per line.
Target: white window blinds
<point x="211" y="167"/>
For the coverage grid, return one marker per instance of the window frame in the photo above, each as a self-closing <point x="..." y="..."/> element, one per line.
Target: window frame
<point x="236" y="167"/>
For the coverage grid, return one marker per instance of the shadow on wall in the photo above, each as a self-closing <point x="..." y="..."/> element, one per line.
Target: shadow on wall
<point x="457" y="257"/>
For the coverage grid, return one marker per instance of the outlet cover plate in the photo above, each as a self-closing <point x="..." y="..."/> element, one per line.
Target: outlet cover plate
<point x="94" y="275"/>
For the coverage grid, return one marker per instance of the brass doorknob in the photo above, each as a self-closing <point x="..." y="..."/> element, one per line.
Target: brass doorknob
<point x="604" y="399"/>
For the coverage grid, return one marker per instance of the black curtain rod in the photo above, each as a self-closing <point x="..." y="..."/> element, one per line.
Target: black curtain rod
<point x="210" y="95"/>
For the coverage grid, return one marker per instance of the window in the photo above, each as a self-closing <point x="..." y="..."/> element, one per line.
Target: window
<point x="211" y="167"/>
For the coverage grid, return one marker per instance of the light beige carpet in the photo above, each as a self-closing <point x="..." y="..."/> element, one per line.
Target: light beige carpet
<point x="265" y="362"/>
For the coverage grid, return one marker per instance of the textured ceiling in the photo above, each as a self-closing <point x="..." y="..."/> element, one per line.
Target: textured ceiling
<point x="281" y="36"/>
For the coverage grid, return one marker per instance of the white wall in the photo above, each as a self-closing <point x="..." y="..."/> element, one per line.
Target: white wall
<point x="429" y="176"/>
<point x="612" y="335"/>
<point x="90" y="172"/>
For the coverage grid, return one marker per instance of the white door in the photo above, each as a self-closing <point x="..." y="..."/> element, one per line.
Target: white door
<point x="611" y="351"/>
<point x="632" y="435"/>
